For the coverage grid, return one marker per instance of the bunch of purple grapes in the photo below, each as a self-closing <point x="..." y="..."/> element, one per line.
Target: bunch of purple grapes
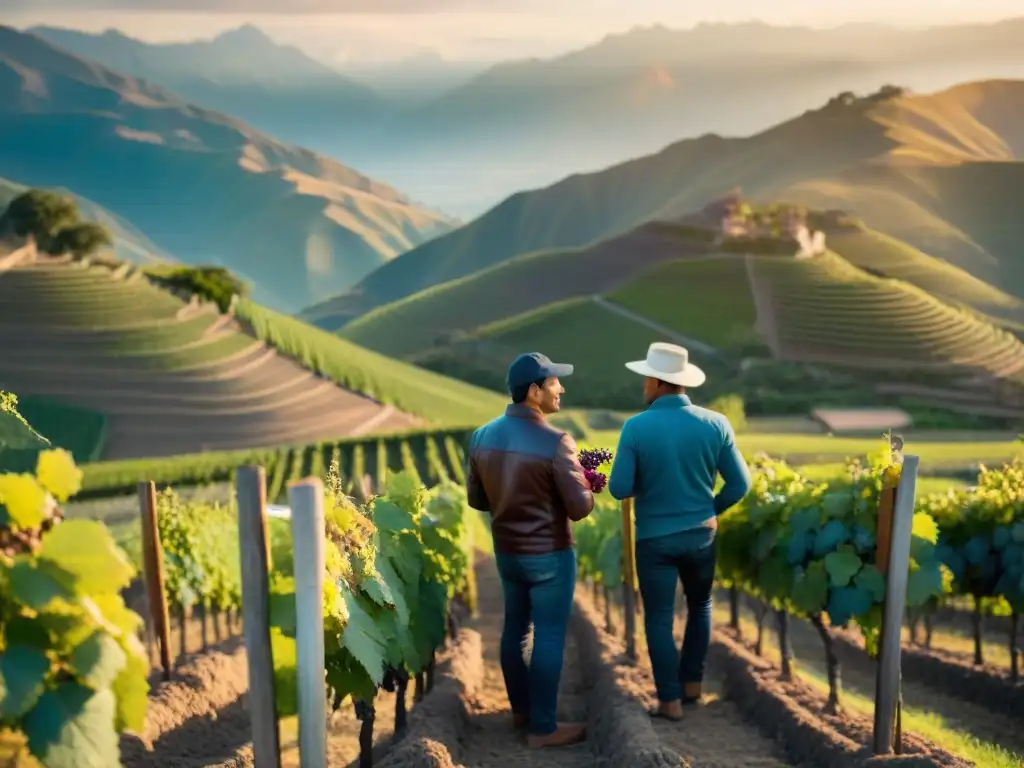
<point x="590" y="460"/>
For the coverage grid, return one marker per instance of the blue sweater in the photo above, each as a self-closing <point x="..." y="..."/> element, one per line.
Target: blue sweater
<point x="667" y="459"/>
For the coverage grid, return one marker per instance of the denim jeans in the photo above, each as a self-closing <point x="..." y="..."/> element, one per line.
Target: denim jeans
<point x="661" y="562"/>
<point x="538" y="589"/>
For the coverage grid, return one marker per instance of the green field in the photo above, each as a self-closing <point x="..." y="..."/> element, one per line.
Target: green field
<point x="707" y="299"/>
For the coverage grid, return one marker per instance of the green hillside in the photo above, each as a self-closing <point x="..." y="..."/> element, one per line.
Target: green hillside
<point x="598" y="342"/>
<point x="518" y="285"/>
<point x="172" y="377"/>
<point x="816" y="329"/>
<point x="934" y="171"/>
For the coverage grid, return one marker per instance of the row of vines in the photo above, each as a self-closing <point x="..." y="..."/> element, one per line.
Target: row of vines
<point x="432" y="455"/>
<point x="73" y="672"/>
<point x="811" y="550"/>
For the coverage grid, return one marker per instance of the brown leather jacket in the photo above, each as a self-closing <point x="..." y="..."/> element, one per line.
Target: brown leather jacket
<point x="526" y="473"/>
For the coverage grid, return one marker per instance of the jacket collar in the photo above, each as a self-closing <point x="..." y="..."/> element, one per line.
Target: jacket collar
<point x="520" y="411"/>
<point x="670" y="401"/>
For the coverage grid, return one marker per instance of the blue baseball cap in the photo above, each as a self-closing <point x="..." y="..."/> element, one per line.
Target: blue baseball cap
<point x="533" y="366"/>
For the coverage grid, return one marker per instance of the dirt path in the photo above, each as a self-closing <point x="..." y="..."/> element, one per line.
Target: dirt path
<point x="714" y="735"/>
<point x="491" y="739"/>
<point x="763" y="306"/>
<point x="687" y="341"/>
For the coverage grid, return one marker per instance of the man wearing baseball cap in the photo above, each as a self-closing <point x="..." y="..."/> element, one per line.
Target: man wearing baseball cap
<point x="526" y="473"/>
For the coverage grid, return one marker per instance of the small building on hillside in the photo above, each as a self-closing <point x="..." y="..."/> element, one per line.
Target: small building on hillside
<point x="856" y="421"/>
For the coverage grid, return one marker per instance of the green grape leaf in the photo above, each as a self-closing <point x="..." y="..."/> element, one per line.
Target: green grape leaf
<point x="98" y="660"/>
<point x="925" y="527"/>
<point x="132" y="692"/>
<point x="810" y="589"/>
<point x="836" y="503"/>
<point x="396" y="587"/>
<point x="351" y="678"/>
<point x="72" y="726"/>
<point x="67" y="622"/>
<point x="23" y="673"/>
<point x="375" y="588"/>
<point x="923" y="584"/>
<point x="872" y="580"/>
<point x="84" y="557"/>
<point x="405" y="553"/>
<point x="842" y="566"/>
<point x="119" y="618"/>
<point x="22" y="630"/>
<point x="390" y="518"/>
<point x="363" y="638"/>
<point x="34" y="584"/>
<point x="805" y="519"/>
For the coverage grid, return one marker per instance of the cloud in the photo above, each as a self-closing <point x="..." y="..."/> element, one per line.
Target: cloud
<point x="270" y="6"/>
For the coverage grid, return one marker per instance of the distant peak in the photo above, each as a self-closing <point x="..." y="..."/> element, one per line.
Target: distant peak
<point x="247" y="34"/>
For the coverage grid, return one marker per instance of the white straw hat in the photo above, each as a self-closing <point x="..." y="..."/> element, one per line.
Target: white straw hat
<point x="671" y="363"/>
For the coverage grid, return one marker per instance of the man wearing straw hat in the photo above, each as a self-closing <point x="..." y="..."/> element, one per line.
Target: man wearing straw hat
<point x="667" y="460"/>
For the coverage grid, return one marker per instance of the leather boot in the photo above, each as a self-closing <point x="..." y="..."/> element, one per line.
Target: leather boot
<point x="564" y="735"/>
<point x="692" y="693"/>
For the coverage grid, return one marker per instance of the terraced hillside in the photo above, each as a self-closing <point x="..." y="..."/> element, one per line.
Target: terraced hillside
<point x="826" y="310"/>
<point x="172" y="377"/>
<point x="731" y="307"/>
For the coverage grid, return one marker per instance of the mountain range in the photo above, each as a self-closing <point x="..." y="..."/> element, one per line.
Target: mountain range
<point x="523" y="124"/>
<point x="203" y="186"/>
<point x="939" y="172"/>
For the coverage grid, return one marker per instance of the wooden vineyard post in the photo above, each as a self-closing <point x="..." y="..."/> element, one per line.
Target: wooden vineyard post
<point x="896" y="558"/>
<point x="629" y="601"/>
<point x="307" y="502"/>
<point x="251" y="494"/>
<point x="153" y="571"/>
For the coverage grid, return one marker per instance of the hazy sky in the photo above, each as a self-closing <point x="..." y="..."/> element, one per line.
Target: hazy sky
<point x="483" y="30"/>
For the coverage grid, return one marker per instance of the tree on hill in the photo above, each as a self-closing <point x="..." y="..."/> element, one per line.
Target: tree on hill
<point x="54" y="223"/>
<point x="215" y="284"/>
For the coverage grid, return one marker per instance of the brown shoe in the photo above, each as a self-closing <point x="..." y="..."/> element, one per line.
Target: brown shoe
<point x="668" y="710"/>
<point x="520" y="721"/>
<point x="564" y="735"/>
<point x="692" y="693"/>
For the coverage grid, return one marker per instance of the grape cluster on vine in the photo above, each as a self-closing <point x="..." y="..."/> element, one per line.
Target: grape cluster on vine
<point x="590" y="459"/>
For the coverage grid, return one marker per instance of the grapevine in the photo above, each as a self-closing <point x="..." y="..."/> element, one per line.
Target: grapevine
<point x="982" y="544"/>
<point x="72" y="670"/>
<point x="394" y="566"/>
<point x="200" y="549"/>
